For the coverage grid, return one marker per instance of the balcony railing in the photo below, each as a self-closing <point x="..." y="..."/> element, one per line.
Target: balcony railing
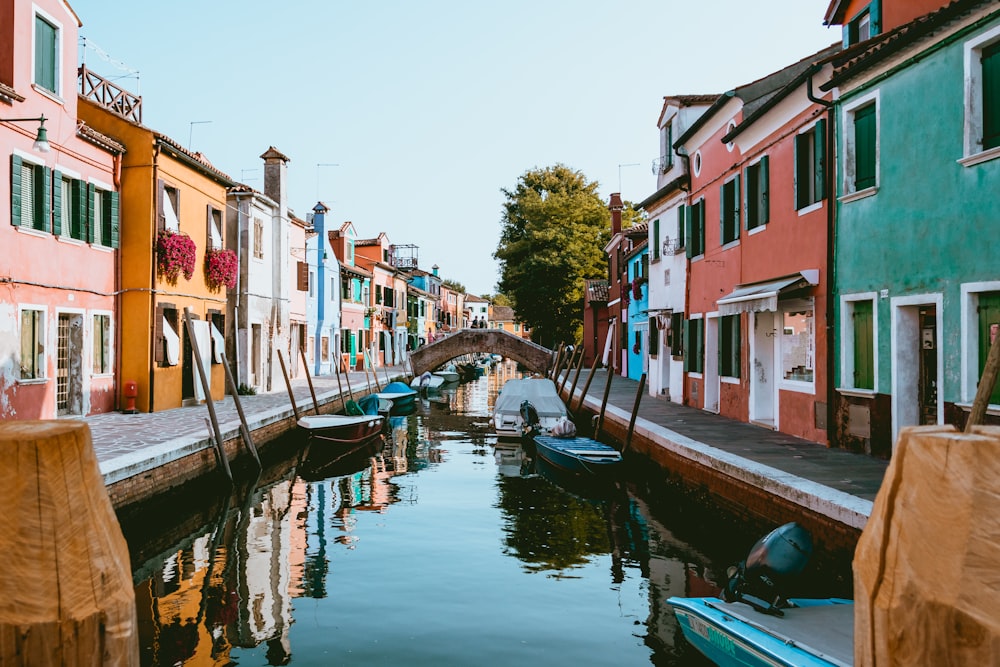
<point x="98" y="89"/>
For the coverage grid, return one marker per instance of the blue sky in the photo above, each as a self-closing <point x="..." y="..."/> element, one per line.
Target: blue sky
<point x="430" y="108"/>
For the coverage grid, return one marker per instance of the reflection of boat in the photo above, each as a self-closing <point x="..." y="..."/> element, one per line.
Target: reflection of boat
<point x="755" y="625"/>
<point x="540" y="392"/>
<point x="578" y="454"/>
<point x="324" y="462"/>
<point x="449" y="373"/>
<point x="401" y="395"/>
<point x="341" y="429"/>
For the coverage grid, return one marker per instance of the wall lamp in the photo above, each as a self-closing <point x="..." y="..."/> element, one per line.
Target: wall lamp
<point x="41" y="139"/>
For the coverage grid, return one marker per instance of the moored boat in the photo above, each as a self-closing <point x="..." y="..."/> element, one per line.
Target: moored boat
<point x="578" y="455"/>
<point x="341" y="429"/>
<point x="402" y="396"/>
<point x="449" y="373"/>
<point x="540" y="392"/>
<point x="427" y="381"/>
<point x="754" y="625"/>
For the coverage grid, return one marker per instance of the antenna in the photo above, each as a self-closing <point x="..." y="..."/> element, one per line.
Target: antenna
<point x="191" y="129"/>
<point x="630" y="164"/>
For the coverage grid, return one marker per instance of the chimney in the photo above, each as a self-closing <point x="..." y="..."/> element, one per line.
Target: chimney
<point x="435" y="269"/>
<point x="275" y="170"/>
<point x="615" y="206"/>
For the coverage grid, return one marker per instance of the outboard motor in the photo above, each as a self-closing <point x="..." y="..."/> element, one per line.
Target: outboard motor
<point x="529" y="418"/>
<point x="773" y="561"/>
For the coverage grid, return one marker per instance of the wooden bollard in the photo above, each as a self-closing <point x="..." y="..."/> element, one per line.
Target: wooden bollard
<point x="66" y="591"/>
<point x="586" y="385"/>
<point x="635" y="411"/>
<point x="604" y="403"/>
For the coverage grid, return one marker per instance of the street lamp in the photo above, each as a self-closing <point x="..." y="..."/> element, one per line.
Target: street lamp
<point x="41" y="139"/>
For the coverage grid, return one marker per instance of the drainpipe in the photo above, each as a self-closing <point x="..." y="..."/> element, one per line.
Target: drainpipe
<point x="830" y="187"/>
<point x="682" y="152"/>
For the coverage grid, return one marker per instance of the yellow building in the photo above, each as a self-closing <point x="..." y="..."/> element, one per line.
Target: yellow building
<point x="169" y="197"/>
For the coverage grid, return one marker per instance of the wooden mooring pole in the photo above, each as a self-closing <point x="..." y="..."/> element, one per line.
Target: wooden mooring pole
<point x="555" y="365"/>
<point x="987" y="382"/>
<point x="635" y="412"/>
<point x="220" y="451"/>
<point x="576" y="378"/>
<point x="288" y="385"/>
<point x="244" y="426"/>
<point x="312" y="392"/>
<point x="340" y="390"/>
<point x="604" y="403"/>
<point x="586" y="385"/>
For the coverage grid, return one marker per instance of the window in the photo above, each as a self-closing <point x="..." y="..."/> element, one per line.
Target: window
<point x="865" y="25"/>
<point x="167" y="328"/>
<point x="656" y="239"/>
<point x="32" y="344"/>
<point x="102" y="344"/>
<point x="69" y="205"/>
<point x="729" y="346"/>
<point x="654" y="337"/>
<point x="756" y="193"/>
<point x="46" y="55"/>
<point x="302" y="277"/>
<point x="666" y="147"/>
<point x="863" y="353"/>
<point x="676" y="335"/>
<point x="29" y="196"/>
<point x="810" y="150"/>
<point x="324" y="347"/>
<point x="258" y="238"/>
<point x="989" y="328"/>
<point x="982" y="98"/>
<point x="694" y="358"/>
<point x="694" y="222"/>
<point x="729" y="210"/>
<point x="214" y="221"/>
<point x="798" y="350"/>
<point x="861" y="147"/>
<point x="680" y="228"/>
<point x="170" y="199"/>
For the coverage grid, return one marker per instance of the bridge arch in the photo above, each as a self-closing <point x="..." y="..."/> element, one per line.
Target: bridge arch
<point x="532" y="356"/>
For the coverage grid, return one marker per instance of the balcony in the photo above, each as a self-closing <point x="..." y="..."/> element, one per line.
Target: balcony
<point x="662" y="164"/>
<point x="117" y="100"/>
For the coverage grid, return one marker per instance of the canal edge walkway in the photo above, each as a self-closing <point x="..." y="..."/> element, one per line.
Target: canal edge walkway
<point x="833" y="483"/>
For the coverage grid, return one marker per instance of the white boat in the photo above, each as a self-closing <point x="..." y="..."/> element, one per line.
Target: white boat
<point x="448" y="373"/>
<point x="543" y="396"/>
<point x="427" y="380"/>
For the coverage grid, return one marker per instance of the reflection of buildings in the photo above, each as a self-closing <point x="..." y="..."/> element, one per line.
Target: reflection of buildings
<point x="227" y="587"/>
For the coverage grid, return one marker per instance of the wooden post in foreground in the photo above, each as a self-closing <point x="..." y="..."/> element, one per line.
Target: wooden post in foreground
<point x="207" y="387"/>
<point x="986" y="384"/>
<point x="635" y="412"/>
<point x="288" y="385"/>
<point x="66" y="593"/>
<point x="244" y="427"/>
<point x="555" y="366"/>
<point x="586" y="385"/>
<point x="576" y="378"/>
<point x="340" y="390"/>
<point x="309" y="379"/>
<point x="569" y="367"/>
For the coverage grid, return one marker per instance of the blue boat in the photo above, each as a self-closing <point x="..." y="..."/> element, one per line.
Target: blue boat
<point x="755" y="626"/>
<point x="402" y="396"/>
<point x="578" y="455"/>
<point x="812" y="633"/>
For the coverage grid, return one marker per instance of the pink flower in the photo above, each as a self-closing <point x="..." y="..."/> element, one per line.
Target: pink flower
<point x="221" y="268"/>
<point x="175" y="254"/>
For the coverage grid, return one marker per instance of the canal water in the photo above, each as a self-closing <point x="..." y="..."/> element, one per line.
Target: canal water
<point x="437" y="546"/>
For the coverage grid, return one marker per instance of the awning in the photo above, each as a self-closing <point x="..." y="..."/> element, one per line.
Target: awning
<point x="758" y="297"/>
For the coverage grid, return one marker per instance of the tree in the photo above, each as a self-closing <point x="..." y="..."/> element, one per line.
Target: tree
<point x="453" y="285"/>
<point x="553" y="232"/>
<point x="498" y="299"/>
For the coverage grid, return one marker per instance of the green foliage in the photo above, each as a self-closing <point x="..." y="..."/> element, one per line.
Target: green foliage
<point x="454" y="285"/>
<point x="498" y="299"/>
<point x="245" y="390"/>
<point x="553" y="233"/>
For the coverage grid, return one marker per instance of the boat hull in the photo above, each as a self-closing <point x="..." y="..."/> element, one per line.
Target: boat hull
<point x="341" y="429"/>
<point x="817" y="633"/>
<point x="579" y="455"/>
<point x="543" y="396"/>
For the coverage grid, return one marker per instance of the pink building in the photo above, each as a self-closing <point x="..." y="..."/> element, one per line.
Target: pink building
<point x="58" y="225"/>
<point x="756" y="229"/>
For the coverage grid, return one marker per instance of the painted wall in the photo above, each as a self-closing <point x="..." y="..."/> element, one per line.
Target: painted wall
<point x="57" y="275"/>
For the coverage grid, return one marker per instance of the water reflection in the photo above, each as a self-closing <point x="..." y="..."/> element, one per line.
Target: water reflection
<point x="438" y="518"/>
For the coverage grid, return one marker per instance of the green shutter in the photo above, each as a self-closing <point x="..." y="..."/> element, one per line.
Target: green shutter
<point x="991" y="95"/>
<point x="864" y="147"/>
<point x="686" y="221"/>
<point x="875" y="18"/>
<point x="15" y="190"/>
<point x="656" y="238"/>
<point x="57" y="221"/>
<point x="864" y="348"/>
<point x="680" y="227"/>
<point x="701" y="227"/>
<point x="91" y="236"/>
<point x="43" y="198"/>
<point x="735" y="222"/>
<point x="722" y="214"/>
<point x="689" y="352"/>
<point x="46" y="66"/>
<point x="78" y="191"/>
<point x="819" y="155"/>
<point x="747" y="205"/>
<point x="110" y="235"/>
<point x="989" y="317"/>
<point x="763" y="182"/>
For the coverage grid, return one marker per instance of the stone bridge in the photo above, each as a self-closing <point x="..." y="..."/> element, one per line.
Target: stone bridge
<point x="533" y="356"/>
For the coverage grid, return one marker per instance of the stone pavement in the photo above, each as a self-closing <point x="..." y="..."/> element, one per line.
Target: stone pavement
<point x="833" y="482"/>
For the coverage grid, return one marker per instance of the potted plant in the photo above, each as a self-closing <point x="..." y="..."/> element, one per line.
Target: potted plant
<point x="221" y="268"/>
<point x="175" y="254"/>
